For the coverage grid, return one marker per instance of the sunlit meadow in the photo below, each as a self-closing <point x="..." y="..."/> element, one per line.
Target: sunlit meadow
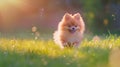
<point x="45" y="53"/>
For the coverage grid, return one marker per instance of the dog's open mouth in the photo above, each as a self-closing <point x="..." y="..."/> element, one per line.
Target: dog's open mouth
<point x="72" y="30"/>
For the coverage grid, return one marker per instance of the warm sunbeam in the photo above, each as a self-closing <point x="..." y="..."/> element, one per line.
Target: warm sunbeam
<point x="10" y="10"/>
<point x="8" y="6"/>
<point x="6" y="3"/>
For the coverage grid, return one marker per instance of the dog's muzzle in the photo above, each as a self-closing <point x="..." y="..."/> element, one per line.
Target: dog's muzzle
<point x="72" y="30"/>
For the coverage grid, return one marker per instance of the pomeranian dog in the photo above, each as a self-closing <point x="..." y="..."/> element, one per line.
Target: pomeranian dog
<point x="70" y="31"/>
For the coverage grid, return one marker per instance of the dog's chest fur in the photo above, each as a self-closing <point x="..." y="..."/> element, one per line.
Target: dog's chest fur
<point x="72" y="37"/>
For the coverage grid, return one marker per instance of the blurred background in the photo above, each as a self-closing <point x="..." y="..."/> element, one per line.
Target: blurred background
<point x="100" y="16"/>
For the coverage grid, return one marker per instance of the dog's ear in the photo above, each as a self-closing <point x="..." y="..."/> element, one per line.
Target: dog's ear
<point x="67" y="16"/>
<point x="77" y="16"/>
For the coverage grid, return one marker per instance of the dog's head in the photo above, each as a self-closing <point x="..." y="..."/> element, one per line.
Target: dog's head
<point x="72" y="23"/>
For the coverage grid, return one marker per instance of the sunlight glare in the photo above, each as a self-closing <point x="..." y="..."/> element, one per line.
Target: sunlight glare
<point x="10" y="9"/>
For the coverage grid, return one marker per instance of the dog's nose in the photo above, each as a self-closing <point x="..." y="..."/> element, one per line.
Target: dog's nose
<point x="73" y="28"/>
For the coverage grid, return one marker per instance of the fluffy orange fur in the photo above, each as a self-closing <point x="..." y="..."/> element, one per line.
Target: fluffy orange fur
<point x="70" y="30"/>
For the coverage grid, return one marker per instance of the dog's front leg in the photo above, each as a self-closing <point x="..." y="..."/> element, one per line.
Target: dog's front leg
<point x="76" y="44"/>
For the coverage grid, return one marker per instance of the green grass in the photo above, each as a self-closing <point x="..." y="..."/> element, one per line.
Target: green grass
<point x="45" y="53"/>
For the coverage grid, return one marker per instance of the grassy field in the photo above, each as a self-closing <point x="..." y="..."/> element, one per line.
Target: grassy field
<point x="45" y="53"/>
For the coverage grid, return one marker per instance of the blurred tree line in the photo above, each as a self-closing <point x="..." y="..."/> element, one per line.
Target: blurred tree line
<point x="100" y="16"/>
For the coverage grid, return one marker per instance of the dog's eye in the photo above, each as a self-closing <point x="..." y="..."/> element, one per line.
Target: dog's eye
<point x="69" y="26"/>
<point x="75" y="25"/>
